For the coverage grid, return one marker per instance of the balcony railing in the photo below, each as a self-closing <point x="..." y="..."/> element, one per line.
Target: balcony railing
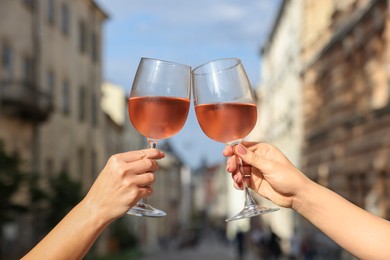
<point x="25" y="101"/>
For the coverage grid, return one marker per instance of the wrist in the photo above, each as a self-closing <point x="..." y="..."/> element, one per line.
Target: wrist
<point x="94" y="214"/>
<point x="304" y="192"/>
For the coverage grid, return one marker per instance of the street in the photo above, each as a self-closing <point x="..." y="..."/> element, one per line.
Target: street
<point x="209" y="247"/>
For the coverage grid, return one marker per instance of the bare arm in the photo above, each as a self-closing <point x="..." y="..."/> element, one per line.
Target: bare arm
<point x="361" y="233"/>
<point x="123" y="181"/>
<point x="273" y="176"/>
<point x="72" y="237"/>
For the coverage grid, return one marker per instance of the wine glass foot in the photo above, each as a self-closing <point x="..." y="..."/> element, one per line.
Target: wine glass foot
<point x="251" y="211"/>
<point x="145" y="210"/>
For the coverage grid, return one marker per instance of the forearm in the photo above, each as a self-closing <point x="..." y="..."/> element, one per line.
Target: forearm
<point x="72" y="237"/>
<point x="364" y="235"/>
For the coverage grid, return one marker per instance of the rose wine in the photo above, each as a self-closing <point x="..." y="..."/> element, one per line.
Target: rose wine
<point x="158" y="117"/>
<point x="226" y="122"/>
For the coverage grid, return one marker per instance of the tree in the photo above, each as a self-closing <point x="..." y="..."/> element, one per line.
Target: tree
<point x="66" y="193"/>
<point x="11" y="179"/>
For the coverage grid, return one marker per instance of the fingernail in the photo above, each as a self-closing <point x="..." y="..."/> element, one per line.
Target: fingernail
<point x="228" y="168"/>
<point x="241" y="149"/>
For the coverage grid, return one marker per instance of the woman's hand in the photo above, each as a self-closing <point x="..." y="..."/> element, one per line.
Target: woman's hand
<point x="272" y="175"/>
<point x="125" y="179"/>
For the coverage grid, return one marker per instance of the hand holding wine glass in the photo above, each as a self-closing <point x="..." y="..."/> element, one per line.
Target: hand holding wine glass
<point x="158" y="108"/>
<point x="226" y="112"/>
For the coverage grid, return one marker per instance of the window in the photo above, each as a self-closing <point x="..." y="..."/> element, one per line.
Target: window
<point x="82" y="36"/>
<point x="82" y="104"/>
<point x="65" y="18"/>
<point x="50" y="11"/>
<point x="65" y="98"/>
<point x="29" y="3"/>
<point x="6" y="63"/>
<point x="27" y="70"/>
<point x="81" y="161"/>
<point x="94" y="111"/>
<point x="50" y="84"/>
<point x="94" y="47"/>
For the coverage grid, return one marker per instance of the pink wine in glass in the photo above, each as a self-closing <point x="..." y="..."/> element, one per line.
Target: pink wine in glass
<point x="158" y="117"/>
<point x="226" y="122"/>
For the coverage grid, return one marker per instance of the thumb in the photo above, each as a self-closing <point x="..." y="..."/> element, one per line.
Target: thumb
<point x="250" y="157"/>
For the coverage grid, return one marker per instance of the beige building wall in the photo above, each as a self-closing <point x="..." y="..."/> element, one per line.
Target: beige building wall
<point x="279" y="94"/>
<point x="74" y="141"/>
<point x="15" y="132"/>
<point x="50" y="90"/>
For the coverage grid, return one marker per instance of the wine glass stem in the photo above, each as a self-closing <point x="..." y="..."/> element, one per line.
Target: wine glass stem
<point x="151" y="144"/>
<point x="249" y="201"/>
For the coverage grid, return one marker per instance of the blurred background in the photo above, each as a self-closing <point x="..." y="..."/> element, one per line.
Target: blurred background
<point x="321" y="74"/>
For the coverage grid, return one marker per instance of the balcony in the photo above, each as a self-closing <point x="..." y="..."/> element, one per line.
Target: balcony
<point x="25" y="101"/>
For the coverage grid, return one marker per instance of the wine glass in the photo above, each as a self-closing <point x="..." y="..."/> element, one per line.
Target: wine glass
<point x="158" y="108"/>
<point x="226" y="112"/>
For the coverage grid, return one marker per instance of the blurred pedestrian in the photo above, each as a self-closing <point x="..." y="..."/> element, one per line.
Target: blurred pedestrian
<point x="125" y="179"/>
<point x="274" y="177"/>
<point x="240" y="244"/>
<point x="273" y="245"/>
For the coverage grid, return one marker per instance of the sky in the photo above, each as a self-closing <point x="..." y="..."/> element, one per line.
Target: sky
<point x="187" y="32"/>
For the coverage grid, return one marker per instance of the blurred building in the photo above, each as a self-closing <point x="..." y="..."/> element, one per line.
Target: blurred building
<point x="50" y="89"/>
<point x="170" y="194"/>
<point x="279" y="100"/>
<point x="50" y="85"/>
<point x="336" y="55"/>
<point x="210" y="191"/>
<point x="346" y="94"/>
<point x="120" y="135"/>
<point x="214" y="200"/>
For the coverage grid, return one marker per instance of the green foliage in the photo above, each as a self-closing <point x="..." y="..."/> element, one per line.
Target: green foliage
<point x="66" y="193"/>
<point x="121" y="233"/>
<point x="11" y="178"/>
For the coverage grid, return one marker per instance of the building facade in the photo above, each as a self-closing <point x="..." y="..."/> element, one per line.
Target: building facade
<point x="335" y="55"/>
<point x="50" y="91"/>
<point x="279" y="100"/>
<point x="347" y="104"/>
<point x="52" y="58"/>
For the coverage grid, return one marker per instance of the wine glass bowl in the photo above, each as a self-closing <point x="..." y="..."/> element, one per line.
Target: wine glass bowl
<point x="226" y="114"/>
<point x="158" y="107"/>
<point x="226" y="111"/>
<point x="158" y="117"/>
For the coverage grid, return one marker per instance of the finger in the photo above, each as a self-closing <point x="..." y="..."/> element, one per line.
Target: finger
<point x="142" y="166"/>
<point x="251" y="158"/>
<point x="132" y="156"/>
<point x="145" y="179"/>
<point x="238" y="186"/>
<point x="237" y="178"/>
<point x="145" y="191"/>
<point x="231" y="164"/>
<point x="228" y="151"/>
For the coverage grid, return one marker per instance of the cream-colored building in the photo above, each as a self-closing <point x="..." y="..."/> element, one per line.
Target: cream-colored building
<point x="324" y="83"/>
<point x="51" y="76"/>
<point x="279" y="97"/>
<point x="50" y="87"/>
